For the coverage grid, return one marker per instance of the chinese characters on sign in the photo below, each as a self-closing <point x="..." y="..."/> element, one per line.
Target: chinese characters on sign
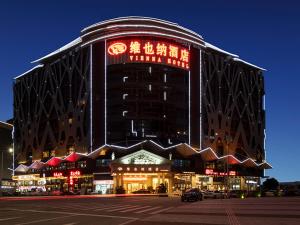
<point x="148" y="51"/>
<point x="57" y="174"/>
<point x="212" y="172"/>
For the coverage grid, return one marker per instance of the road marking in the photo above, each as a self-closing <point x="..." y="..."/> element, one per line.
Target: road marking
<point x="146" y="210"/>
<point x="162" y="210"/>
<point x="109" y="207"/>
<point x="121" y="208"/>
<point x="10" y="218"/>
<point x="232" y="219"/>
<point x="127" y="222"/>
<point x="43" y="220"/>
<point x="69" y="213"/>
<point x="135" y="208"/>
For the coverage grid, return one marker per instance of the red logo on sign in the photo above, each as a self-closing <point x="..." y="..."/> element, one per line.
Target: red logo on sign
<point x="117" y="48"/>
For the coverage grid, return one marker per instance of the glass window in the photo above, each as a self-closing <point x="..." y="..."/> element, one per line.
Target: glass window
<point x="102" y="162"/>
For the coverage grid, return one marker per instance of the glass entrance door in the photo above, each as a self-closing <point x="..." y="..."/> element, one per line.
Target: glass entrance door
<point x="135" y="187"/>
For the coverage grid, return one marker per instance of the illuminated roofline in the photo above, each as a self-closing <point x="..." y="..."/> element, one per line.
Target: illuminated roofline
<point x="187" y="145"/>
<point x="140" y="26"/>
<point x="7" y="124"/>
<point x="136" y="33"/>
<point x="28" y="71"/>
<point x="63" y="48"/>
<point x="232" y="156"/>
<point x="140" y="18"/>
<point x="198" y="40"/>
<point x="249" y="64"/>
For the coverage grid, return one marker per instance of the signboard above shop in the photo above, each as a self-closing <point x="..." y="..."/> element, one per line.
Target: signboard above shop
<point x="137" y="50"/>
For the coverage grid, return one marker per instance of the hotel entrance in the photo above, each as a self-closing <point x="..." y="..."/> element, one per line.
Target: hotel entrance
<point x="132" y="182"/>
<point x="141" y="170"/>
<point x="146" y="181"/>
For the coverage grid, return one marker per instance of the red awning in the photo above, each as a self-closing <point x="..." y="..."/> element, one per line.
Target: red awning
<point x="54" y="161"/>
<point x="74" y="157"/>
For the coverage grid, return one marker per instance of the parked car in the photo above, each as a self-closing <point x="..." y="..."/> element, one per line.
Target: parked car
<point x="213" y="194"/>
<point x="192" y="194"/>
<point x="141" y="191"/>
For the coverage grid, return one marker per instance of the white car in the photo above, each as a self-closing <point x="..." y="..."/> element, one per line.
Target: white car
<point x="213" y="194"/>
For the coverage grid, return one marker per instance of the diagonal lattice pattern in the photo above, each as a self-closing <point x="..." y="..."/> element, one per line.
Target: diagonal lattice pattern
<point x="51" y="108"/>
<point x="232" y="110"/>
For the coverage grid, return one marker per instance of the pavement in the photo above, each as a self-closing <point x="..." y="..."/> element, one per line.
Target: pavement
<point x="152" y="210"/>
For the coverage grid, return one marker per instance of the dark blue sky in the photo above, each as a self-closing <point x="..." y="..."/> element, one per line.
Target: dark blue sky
<point x="266" y="34"/>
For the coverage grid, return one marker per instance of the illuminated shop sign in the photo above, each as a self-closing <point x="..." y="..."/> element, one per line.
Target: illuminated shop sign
<point x="212" y="172"/>
<point x="75" y="173"/>
<point x="57" y="174"/>
<point x="148" y="51"/>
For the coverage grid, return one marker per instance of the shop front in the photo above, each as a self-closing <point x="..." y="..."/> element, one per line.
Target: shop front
<point x="141" y="170"/>
<point x="29" y="183"/>
<point x="69" y="181"/>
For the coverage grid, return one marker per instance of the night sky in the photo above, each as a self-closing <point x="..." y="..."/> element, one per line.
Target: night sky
<point x="266" y="34"/>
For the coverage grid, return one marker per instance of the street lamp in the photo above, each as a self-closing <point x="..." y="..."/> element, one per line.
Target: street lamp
<point x="11" y="150"/>
<point x="228" y="140"/>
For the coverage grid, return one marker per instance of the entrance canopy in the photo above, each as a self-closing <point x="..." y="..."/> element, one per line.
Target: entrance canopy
<point x="141" y="161"/>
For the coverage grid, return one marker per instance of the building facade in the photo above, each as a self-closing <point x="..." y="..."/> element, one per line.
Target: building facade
<point x="136" y="102"/>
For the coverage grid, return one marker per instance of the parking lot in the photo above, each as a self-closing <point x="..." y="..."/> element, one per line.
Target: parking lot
<point x="144" y="210"/>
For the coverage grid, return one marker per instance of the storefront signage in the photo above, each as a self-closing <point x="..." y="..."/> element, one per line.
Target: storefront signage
<point x="57" y="174"/>
<point x="135" y="178"/>
<point x="148" y="51"/>
<point x="212" y="172"/>
<point x="75" y="173"/>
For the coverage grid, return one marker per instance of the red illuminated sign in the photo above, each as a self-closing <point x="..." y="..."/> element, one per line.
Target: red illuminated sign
<point x="57" y="174"/>
<point x="148" y="51"/>
<point x="117" y="48"/>
<point x="75" y="173"/>
<point x="212" y="172"/>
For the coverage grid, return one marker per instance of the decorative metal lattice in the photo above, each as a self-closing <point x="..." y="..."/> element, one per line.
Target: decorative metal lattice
<point x="232" y="107"/>
<point x="51" y="108"/>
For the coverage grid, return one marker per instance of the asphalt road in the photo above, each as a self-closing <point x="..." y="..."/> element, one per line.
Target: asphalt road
<point x="149" y="211"/>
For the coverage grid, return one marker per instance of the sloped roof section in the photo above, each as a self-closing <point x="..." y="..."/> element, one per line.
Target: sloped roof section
<point x="37" y="165"/>
<point x="74" y="157"/>
<point x="22" y="168"/>
<point x="54" y="161"/>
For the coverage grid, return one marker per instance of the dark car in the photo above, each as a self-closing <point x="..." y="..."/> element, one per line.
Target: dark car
<point x="141" y="191"/>
<point x="193" y="194"/>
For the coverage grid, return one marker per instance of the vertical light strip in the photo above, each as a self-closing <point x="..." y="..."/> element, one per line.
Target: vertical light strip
<point x="13" y="147"/>
<point x="91" y="98"/>
<point x="189" y="106"/>
<point x="200" y="74"/>
<point x="105" y="110"/>
<point x="264" y="108"/>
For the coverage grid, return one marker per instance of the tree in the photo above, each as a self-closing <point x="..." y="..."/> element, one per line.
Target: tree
<point x="270" y="184"/>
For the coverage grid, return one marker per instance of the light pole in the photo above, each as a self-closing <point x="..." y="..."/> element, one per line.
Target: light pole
<point x="1" y="173"/>
<point x="11" y="150"/>
<point x="228" y="139"/>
